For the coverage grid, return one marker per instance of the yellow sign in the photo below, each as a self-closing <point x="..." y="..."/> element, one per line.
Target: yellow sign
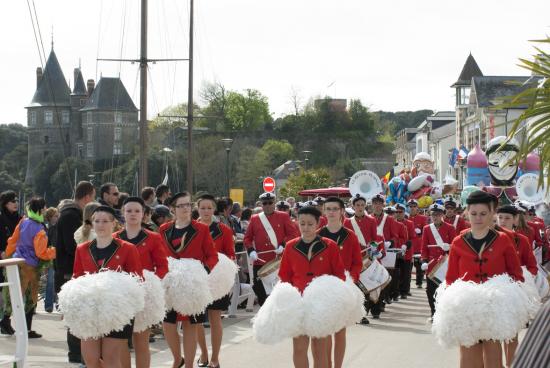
<point x="237" y="195"/>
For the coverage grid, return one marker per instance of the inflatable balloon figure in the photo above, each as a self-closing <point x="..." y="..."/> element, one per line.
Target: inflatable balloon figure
<point x="422" y="176"/>
<point x="478" y="168"/>
<point x="397" y="190"/>
<point x="502" y="169"/>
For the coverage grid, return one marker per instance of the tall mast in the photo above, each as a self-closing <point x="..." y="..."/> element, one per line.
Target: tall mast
<point x="190" y="105"/>
<point x="143" y="169"/>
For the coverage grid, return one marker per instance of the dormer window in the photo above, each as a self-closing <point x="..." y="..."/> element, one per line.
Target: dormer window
<point x="48" y="117"/>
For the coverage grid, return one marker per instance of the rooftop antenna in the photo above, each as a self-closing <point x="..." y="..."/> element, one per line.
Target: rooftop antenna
<point x="52" y="36"/>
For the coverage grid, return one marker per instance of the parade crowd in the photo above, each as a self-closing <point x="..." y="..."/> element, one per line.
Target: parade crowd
<point x="110" y="230"/>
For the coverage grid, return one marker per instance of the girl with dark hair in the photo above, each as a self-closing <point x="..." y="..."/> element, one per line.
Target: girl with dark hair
<point x="30" y="242"/>
<point x="9" y="218"/>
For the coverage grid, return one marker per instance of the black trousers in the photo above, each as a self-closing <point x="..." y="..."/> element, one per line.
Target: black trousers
<point x="418" y="271"/>
<point x="405" y="277"/>
<point x="393" y="287"/>
<point x="258" y="286"/>
<point x="431" y="287"/>
<point x="73" y="342"/>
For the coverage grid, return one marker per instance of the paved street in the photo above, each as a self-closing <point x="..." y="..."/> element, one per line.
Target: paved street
<point x="400" y="338"/>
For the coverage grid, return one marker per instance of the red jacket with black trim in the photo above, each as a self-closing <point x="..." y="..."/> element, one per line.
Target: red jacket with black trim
<point x="431" y="253"/>
<point x="223" y="239"/>
<point x="350" y="250"/>
<point x="151" y="251"/>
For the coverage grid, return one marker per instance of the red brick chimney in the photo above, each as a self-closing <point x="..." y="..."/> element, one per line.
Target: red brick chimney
<point x="39" y="74"/>
<point x="91" y="85"/>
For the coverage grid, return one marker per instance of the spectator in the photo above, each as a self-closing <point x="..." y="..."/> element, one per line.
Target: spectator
<point x="147" y="223"/>
<point x="121" y="198"/>
<point x="30" y="242"/>
<point x="245" y="218"/>
<point x="86" y="232"/>
<point x="148" y="196"/>
<point x="161" y="214"/>
<point x="162" y="192"/>
<point x="50" y="220"/>
<point x="70" y="219"/>
<point x="9" y="218"/>
<point x="109" y="195"/>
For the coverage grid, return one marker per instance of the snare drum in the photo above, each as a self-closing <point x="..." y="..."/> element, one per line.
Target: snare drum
<point x="437" y="274"/>
<point x="391" y="258"/>
<point x="269" y="274"/>
<point x="373" y="279"/>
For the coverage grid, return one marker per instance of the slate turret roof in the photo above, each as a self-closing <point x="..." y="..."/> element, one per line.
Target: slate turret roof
<point x="52" y="89"/>
<point x="469" y="70"/>
<point x="79" y="86"/>
<point x="110" y="94"/>
<point x="490" y="89"/>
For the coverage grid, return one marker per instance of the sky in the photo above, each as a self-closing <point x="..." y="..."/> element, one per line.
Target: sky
<point x="394" y="55"/>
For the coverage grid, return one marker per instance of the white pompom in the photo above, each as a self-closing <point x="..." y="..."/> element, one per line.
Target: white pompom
<point x="327" y="300"/>
<point x="467" y="312"/>
<point x="357" y="311"/>
<point x="96" y="304"/>
<point x="186" y="286"/>
<point x="281" y="315"/>
<point x="154" y="309"/>
<point x="222" y="278"/>
<point x="531" y="292"/>
<point x="541" y="282"/>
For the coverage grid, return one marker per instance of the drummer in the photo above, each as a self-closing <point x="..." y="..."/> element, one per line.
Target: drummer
<point x="186" y="238"/>
<point x="419" y="221"/>
<point x="320" y="206"/>
<point x="451" y="217"/>
<point x="265" y="238"/>
<point x="283" y="206"/>
<point x="436" y="240"/>
<point x="350" y="252"/>
<point x="477" y="255"/>
<point x="305" y="258"/>
<point x="407" y="251"/>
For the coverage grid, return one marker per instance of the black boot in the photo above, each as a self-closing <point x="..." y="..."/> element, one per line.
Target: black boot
<point x="5" y="326"/>
<point x="31" y="334"/>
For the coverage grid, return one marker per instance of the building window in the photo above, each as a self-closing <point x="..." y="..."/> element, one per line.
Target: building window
<point x="33" y="118"/>
<point x="118" y="117"/>
<point x="65" y="118"/>
<point x="89" y="117"/>
<point x="117" y="148"/>
<point x="90" y="134"/>
<point x="48" y="117"/>
<point x="464" y="95"/>
<point x="118" y="133"/>
<point x="46" y="139"/>
<point x="89" y="150"/>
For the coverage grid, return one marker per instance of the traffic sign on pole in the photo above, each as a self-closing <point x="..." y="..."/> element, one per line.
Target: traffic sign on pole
<point x="269" y="184"/>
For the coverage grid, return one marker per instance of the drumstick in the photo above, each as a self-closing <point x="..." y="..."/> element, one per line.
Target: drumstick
<point x="261" y="260"/>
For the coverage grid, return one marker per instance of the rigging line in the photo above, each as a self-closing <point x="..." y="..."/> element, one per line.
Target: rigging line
<point x="55" y="107"/>
<point x="150" y="75"/>
<point x="170" y="82"/>
<point x="35" y="36"/>
<point x="98" y="38"/>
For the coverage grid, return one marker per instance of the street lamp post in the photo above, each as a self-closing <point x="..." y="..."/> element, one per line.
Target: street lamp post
<point x="227" y="143"/>
<point x="306" y="159"/>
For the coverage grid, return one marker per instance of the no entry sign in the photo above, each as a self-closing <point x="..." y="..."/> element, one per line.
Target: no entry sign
<point x="269" y="184"/>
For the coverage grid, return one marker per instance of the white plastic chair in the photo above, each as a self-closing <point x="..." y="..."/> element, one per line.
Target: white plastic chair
<point x="242" y="291"/>
<point x="18" y="311"/>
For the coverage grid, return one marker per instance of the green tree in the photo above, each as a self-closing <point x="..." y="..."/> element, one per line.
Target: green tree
<point x="61" y="187"/>
<point x="360" y="116"/>
<point x="247" y="111"/>
<point x="215" y="111"/>
<point x="306" y="179"/>
<point x="276" y="152"/>
<point x="8" y="182"/>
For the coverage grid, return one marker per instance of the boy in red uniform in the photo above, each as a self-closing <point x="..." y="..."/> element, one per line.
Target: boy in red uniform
<point x="350" y="252"/>
<point x="265" y="238"/>
<point x="452" y="218"/>
<point x="419" y="222"/>
<point x="186" y="238"/>
<point x="305" y="258"/>
<point x="406" y="251"/>
<point x="436" y="240"/>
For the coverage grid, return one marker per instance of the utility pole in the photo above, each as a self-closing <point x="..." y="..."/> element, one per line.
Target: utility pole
<point x="190" y="105"/>
<point x="143" y="167"/>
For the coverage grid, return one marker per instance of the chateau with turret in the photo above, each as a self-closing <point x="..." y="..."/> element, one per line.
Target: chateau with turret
<point x="91" y="122"/>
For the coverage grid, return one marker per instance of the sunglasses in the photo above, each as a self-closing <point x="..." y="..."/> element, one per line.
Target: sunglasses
<point x="267" y="203"/>
<point x="14" y="201"/>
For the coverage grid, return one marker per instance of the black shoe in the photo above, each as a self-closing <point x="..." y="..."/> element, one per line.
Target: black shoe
<point x="403" y="296"/>
<point x="5" y="327"/>
<point x="182" y="363"/>
<point x="419" y="286"/>
<point x="202" y="364"/>
<point x="395" y="298"/>
<point x="33" y="335"/>
<point x="383" y="308"/>
<point x="376" y="316"/>
<point x="75" y="359"/>
<point x="364" y="321"/>
<point x="409" y="293"/>
<point x="388" y="301"/>
<point x="152" y="338"/>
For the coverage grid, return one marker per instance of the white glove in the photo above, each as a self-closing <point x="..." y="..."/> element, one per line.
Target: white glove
<point x="253" y="256"/>
<point x="445" y="246"/>
<point x="279" y="250"/>
<point x="403" y="249"/>
<point x="418" y="231"/>
<point x="378" y="255"/>
<point x="424" y="266"/>
<point x="387" y="244"/>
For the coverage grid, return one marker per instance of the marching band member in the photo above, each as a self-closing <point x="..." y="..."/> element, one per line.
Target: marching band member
<point x="153" y="258"/>
<point x="106" y="252"/>
<point x="407" y="251"/>
<point x="477" y="255"/>
<point x="305" y="258"/>
<point x="452" y="218"/>
<point x="186" y="238"/>
<point x="537" y="224"/>
<point x="265" y="238"/>
<point x="320" y="206"/>
<point x="523" y="227"/>
<point x="350" y="252"/>
<point x="364" y="227"/>
<point x="223" y="241"/>
<point x="419" y="221"/>
<point x="507" y="216"/>
<point x="388" y="231"/>
<point x="436" y="240"/>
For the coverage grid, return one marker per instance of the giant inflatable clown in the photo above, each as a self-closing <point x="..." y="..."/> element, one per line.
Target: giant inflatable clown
<point x="503" y="168"/>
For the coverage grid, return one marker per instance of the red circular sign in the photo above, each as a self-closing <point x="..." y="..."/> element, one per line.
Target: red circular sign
<point x="269" y="184"/>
